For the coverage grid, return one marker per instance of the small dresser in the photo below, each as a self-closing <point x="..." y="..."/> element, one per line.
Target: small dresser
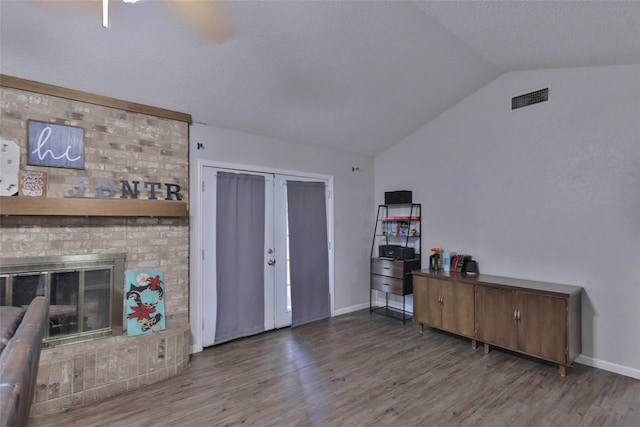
<point x="392" y="277"/>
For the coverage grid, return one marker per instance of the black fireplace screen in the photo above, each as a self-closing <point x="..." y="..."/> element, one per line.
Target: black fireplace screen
<point x="84" y="291"/>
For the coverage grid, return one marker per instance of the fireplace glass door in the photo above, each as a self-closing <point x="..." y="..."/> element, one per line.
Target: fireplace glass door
<point x="85" y="295"/>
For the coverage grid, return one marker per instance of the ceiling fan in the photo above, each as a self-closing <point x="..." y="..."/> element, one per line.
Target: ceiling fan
<point x="207" y="17"/>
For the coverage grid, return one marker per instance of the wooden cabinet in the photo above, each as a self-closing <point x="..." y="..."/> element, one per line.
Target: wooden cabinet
<point x="442" y="304"/>
<point x="535" y="318"/>
<point x="528" y="322"/>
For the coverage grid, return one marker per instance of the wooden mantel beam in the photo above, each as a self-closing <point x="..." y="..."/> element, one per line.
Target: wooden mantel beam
<point x="47" y="206"/>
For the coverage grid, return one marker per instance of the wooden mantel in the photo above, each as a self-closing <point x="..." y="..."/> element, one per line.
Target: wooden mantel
<point x="50" y="206"/>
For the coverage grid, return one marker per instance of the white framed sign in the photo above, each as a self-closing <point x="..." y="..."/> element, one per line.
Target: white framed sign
<point x="55" y="145"/>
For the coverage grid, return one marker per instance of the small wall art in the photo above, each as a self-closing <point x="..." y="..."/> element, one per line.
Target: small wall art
<point x="144" y="293"/>
<point x="55" y="145"/>
<point x="33" y="183"/>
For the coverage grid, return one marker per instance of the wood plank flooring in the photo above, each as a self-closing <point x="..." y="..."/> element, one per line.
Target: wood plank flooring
<point x="361" y="370"/>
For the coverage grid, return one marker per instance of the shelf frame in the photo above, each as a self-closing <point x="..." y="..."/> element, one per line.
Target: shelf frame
<point x="390" y="311"/>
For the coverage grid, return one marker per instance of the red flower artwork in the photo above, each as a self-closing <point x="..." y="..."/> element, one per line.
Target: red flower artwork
<point x="141" y="312"/>
<point x="154" y="281"/>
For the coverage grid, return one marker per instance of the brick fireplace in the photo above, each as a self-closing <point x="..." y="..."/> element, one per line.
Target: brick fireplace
<point x="122" y="141"/>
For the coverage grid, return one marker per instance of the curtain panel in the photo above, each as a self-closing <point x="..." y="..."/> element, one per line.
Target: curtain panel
<point x="240" y="228"/>
<point x="308" y="252"/>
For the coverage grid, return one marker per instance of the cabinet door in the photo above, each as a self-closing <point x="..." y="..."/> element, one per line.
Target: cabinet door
<point x="457" y="307"/>
<point x="542" y="326"/>
<point x="426" y="301"/>
<point x="434" y="309"/>
<point x="495" y="317"/>
<point x="420" y="299"/>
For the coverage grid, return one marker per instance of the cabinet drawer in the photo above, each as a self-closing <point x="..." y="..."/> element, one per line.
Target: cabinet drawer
<point x="387" y="267"/>
<point x="387" y="284"/>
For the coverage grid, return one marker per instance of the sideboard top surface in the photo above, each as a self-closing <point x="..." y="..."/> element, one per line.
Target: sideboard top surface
<point x="485" y="279"/>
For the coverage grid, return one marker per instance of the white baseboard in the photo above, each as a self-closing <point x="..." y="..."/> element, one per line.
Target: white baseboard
<point x="350" y="309"/>
<point x="353" y="308"/>
<point x="608" y="366"/>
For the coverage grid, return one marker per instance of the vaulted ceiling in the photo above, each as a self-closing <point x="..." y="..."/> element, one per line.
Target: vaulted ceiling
<point x="351" y="75"/>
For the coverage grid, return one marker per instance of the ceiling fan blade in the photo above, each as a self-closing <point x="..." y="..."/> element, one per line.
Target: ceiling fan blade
<point x="207" y="17"/>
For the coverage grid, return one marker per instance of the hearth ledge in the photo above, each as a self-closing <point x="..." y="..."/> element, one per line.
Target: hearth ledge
<point x="79" y="373"/>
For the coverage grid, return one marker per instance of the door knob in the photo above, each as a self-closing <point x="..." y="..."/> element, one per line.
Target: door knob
<point x="271" y="262"/>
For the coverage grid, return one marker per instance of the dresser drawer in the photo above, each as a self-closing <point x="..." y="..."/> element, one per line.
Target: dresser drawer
<point x="387" y="284"/>
<point x="387" y="267"/>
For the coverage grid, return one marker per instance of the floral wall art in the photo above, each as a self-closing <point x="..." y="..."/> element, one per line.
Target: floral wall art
<point x="144" y="297"/>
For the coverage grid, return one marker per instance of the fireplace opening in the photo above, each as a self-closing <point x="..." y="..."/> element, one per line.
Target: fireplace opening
<point x="85" y="293"/>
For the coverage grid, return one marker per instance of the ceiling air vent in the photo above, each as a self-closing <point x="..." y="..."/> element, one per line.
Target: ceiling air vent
<point x="527" y="99"/>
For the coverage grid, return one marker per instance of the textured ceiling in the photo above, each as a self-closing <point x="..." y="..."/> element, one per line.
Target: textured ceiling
<point x="351" y="75"/>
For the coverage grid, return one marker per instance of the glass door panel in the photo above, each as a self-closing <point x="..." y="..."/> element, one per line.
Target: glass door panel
<point x="63" y="306"/>
<point x="97" y="294"/>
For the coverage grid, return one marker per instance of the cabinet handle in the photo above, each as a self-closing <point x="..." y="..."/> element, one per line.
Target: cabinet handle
<point x="519" y="316"/>
<point x="516" y="316"/>
<point x="442" y="299"/>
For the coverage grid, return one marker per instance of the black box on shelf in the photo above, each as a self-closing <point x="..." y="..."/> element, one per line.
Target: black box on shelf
<point x="396" y="252"/>
<point x="397" y="197"/>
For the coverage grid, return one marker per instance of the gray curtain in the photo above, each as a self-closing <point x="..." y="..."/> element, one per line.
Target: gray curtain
<point x="240" y="206"/>
<point x="308" y="252"/>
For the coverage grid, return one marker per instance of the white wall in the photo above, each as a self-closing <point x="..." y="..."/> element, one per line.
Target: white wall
<point x="352" y="200"/>
<point x="549" y="192"/>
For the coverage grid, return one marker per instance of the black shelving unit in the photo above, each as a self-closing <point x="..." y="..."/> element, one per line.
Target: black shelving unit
<point x="399" y="225"/>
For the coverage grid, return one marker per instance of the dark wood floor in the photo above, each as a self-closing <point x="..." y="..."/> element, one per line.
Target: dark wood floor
<point x="362" y="370"/>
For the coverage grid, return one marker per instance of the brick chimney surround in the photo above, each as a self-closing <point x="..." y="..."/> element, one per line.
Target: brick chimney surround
<point x="122" y="141"/>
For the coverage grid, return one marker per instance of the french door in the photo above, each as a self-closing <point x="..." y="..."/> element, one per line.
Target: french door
<point x="282" y="283"/>
<point x="275" y="263"/>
